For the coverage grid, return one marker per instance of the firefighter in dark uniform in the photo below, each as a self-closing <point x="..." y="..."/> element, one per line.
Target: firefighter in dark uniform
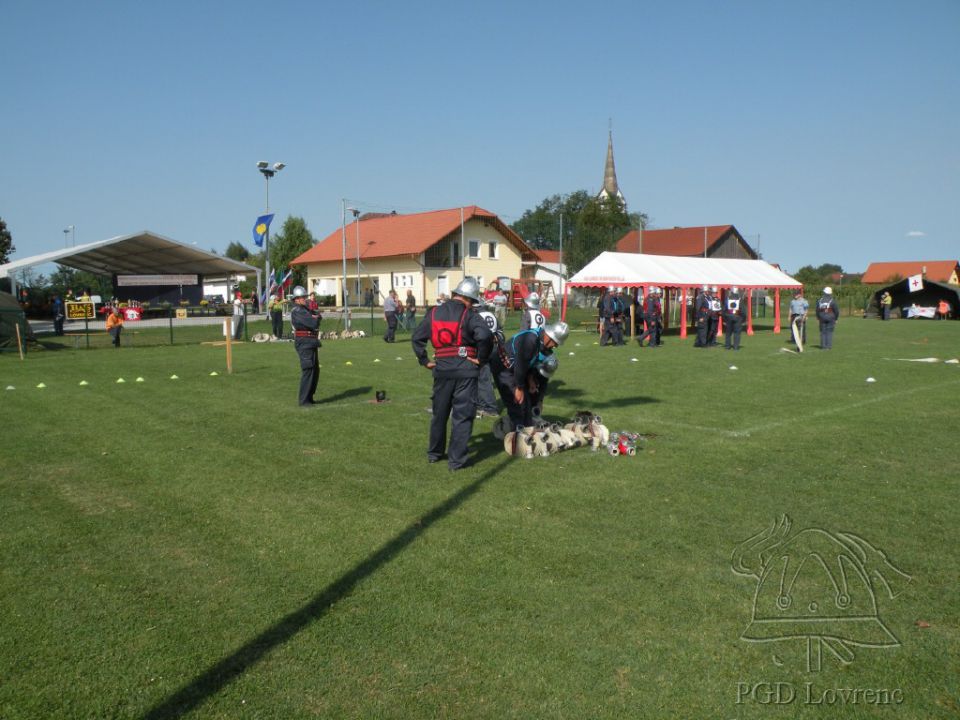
<point x="701" y="314"/>
<point x="612" y="317"/>
<point x="653" y="317"/>
<point x="716" y="307"/>
<point x="306" y="331"/>
<point x="827" y="313"/>
<point x="734" y="315"/>
<point x="462" y="343"/>
<point x="516" y="370"/>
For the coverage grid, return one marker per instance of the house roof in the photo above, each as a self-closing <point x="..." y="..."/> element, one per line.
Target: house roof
<point x="393" y="235"/>
<point x="881" y="272"/>
<point x="634" y="269"/>
<point x="677" y="242"/>
<point x="141" y="253"/>
<point x="548" y="256"/>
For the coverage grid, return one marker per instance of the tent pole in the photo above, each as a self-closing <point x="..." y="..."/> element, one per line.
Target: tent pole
<point x="683" y="313"/>
<point x="776" y="311"/>
<point x="723" y="304"/>
<point x="749" y="312"/>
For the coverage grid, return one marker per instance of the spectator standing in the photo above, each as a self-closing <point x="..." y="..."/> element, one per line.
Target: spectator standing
<point x="58" y="315"/>
<point x="390" y="306"/>
<point x="411" y="319"/>
<point x="239" y="313"/>
<point x="275" y="308"/>
<point x="886" y="302"/>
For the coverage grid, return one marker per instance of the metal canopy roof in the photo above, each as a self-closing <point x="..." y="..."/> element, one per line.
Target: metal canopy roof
<point x="143" y="253"/>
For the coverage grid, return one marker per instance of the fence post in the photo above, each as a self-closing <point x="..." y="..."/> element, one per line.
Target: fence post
<point x="86" y="329"/>
<point x="170" y="320"/>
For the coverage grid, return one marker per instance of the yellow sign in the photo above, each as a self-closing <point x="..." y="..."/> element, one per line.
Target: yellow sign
<point x="181" y="313"/>
<point x="80" y="311"/>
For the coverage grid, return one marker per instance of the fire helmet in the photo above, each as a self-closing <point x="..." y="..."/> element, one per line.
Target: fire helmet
<point x="557" y="332"/>
<point x="549" y="366"/>
<point x="532" y="301"/>
<point x="828" y="291"/>
<point x="299" y="291"/>
<point x="468" y="288"/>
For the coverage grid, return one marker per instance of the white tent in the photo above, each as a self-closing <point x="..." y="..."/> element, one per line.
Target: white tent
<point x="685" y="274"/>
<point x="636" y="270"/>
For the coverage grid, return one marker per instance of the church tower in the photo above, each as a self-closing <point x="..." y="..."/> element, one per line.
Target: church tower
<point x="610" y="187"/>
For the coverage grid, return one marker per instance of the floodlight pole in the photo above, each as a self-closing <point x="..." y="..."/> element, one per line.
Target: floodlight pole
<point x="268" y="172"/>
<point x="356" y="220"/>
<point x="343" y="237"/>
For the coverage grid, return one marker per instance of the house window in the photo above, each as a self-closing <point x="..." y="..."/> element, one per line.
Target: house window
<point x="455" y="253"/>
<point x="492" y="249"/>
<point x="473" y="248"/>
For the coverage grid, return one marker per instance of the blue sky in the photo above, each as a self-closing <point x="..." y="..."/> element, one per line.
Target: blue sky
<point x="829" y="129"/>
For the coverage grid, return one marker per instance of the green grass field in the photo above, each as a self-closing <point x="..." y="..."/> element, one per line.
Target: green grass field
<point x="204" y="548"/>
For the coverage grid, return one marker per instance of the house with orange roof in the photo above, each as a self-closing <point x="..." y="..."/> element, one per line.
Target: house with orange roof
<point x="546" y="268"/>
<point x="428" y="253"/>
<point x="884" y="273"/>
<point x="711" y="241"/>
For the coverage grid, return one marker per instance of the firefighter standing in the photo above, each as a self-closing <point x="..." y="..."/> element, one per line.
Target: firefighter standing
<point x="306" y="331"/>
<point x="701" y="313"/>
<point x="715" y="309"/>
<point x="612" y="317"/>
<point x="734" y="317"/>
<point x="462" y="343"/>
<point x="827" y="313"/>
<point x="653" y="317"/>
<point x="532" y="316"/>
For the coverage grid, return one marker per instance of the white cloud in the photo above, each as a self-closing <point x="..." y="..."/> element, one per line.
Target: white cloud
<point x="916" y="234"/>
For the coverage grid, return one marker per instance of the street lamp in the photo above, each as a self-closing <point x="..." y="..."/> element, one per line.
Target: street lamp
<point x="356" y="220"/>
<point x="268" y="172"/>
<point x="72" y="232"/>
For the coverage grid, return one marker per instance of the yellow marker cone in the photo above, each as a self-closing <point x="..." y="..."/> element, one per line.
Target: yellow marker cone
<point x="120" y="380"/>
<point x="140" y="379"/>
<point x="10" y="387"/>
<point x="41" y="386"/>
<point x="348" y="363"/>
<point x="84" y="382"/>
<point x="214" y="373"/>
<point x="174" y="377"/>
<point x="377" y="360"/>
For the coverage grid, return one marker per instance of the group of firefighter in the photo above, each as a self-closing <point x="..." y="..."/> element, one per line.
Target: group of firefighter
<point x="708" y="310"/>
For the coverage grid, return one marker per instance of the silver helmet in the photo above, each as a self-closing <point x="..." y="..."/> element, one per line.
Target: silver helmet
<point x="549" y="366"/>
<point x="468" y="288"/>
<point x="557" y="332"/>
<point x="299" y="291"/>
<point x="828" y="291"/>
<point x="532" y="301"/>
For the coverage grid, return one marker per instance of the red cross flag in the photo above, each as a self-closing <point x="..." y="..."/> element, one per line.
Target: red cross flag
<point x="915" y="282"/>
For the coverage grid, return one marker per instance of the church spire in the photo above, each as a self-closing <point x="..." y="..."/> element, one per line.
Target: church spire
<point x="610" y="187"/>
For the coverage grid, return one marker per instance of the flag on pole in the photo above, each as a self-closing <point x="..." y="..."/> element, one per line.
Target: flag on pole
<point x="260" y="228"/>
<point x="915" y="282"/>
<point x="285" y="282"/>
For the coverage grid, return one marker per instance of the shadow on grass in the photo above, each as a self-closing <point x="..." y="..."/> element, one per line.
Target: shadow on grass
<point x="352" y="392"/>
<point x="215" y="678"/>
<point x="574" y="395"/>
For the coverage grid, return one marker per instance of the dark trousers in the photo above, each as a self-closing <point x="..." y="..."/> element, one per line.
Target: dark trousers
<point x="734" y="328"/>
<point x="712" y="326"/>
<point x="826" y="333"/>
<point x="703" y="328"/>
<point x="58" y="325"/>
<point x="309" y="369"/>
<point x="115" y="334"/>
<point x="454" y="399"/>
<point x="485" y="398"/>
<point x="613" y="331"/>
<point x="652" y="331"/>
<point x="237" y="327"/>
<point x="276" y="320"/>
<point x="390" y="335"/>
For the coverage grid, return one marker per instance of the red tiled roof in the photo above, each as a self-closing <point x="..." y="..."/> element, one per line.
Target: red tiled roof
<point x="548" y="256"/>
<point x="392" y="235"/>
<point x="937" y="270"/>
<point x="680" y="242"/>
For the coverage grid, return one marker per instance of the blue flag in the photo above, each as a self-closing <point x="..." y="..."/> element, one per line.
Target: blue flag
<point x="261" y="227"/>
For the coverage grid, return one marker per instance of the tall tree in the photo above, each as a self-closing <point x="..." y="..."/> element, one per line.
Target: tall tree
<point x="293" y="240"/>
<point x="236" y="251"/>
<point x="6" y="243"/>
<point x="590" y="225"/>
